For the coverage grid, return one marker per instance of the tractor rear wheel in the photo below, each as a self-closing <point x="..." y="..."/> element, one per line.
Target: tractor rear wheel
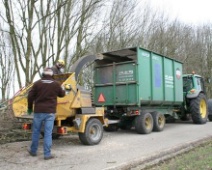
<point x="144" y="123"/>
<point x="93" y="132"/>
<point x="198" y="109"/>
<point x="158" y="121"/>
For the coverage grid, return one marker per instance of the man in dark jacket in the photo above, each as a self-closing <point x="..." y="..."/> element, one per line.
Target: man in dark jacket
<point x="44" y="95"/>
<point x="57" y="67"/>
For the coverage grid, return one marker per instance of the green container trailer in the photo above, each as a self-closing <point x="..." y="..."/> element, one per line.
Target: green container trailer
<point x="146" y="78"/>
<point x="143" y="89"/>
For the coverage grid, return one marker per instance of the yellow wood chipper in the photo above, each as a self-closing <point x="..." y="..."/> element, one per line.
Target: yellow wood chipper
<point x="75" y="112"/>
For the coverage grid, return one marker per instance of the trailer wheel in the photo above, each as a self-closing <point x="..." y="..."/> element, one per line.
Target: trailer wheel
<point x="93" y="132"/>
<point x="198" y="108"/>
<point x="158" y="121"/>
<point x="144" y="123"/>
<point x="210" y="109"/>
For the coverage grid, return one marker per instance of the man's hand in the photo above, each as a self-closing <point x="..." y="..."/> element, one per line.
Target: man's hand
<point x="63" y="88"/>
<point x="29" y="111"/>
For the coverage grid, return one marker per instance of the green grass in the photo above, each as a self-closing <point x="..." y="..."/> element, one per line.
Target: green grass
<point x="199" y="158"/>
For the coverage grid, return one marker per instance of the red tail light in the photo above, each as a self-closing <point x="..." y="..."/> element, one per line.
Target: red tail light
<point x="137" y="112"/>
<point x="61" y="130"/>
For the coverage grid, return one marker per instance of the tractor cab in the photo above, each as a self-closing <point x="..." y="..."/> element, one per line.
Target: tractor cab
<point x="193" y="84"/>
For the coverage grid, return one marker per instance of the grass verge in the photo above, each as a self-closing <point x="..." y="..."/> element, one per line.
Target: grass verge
<point x="199" y="158"/>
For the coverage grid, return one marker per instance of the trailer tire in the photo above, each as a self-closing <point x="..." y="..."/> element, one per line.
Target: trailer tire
<point x="198" y="109"/>
<point x="93" y="132"/>
<point x="158" y="121"/>
<point x="144" y="123"/>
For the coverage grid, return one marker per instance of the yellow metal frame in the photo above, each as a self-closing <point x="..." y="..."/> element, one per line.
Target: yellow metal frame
<point x="19" y="101"/>
<point x="84" y="119"/>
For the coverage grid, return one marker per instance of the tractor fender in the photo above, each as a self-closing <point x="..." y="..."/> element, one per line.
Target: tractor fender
<point x="194" y="95"/>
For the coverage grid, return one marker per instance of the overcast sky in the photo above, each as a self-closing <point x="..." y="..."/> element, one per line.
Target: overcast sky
<point x="189" y="11"/>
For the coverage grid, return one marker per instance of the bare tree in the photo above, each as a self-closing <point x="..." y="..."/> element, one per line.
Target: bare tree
<point x="119" y="26"/>
<point x="41" y="32"/>
<point x="6" y="67"/>
<point x="206" y="43"/>
<point x="20" y="31"/>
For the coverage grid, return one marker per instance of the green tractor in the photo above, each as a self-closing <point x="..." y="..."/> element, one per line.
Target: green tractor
<point x="195" y="102"/>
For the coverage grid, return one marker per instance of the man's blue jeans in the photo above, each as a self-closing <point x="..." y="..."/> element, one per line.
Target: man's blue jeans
<point x="46" y="119"/>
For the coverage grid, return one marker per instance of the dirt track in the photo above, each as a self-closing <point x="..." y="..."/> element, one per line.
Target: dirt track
<point x="118" y="150"/>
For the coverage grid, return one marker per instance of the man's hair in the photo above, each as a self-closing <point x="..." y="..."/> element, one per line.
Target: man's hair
<point x="48" y="71"/>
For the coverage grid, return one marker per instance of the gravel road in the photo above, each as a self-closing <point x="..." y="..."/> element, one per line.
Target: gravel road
<point x="117" y="150"/>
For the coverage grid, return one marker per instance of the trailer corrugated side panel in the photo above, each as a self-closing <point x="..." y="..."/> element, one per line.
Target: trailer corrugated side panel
<point x="160" y="79"/>
<point x="116" y="84"/>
